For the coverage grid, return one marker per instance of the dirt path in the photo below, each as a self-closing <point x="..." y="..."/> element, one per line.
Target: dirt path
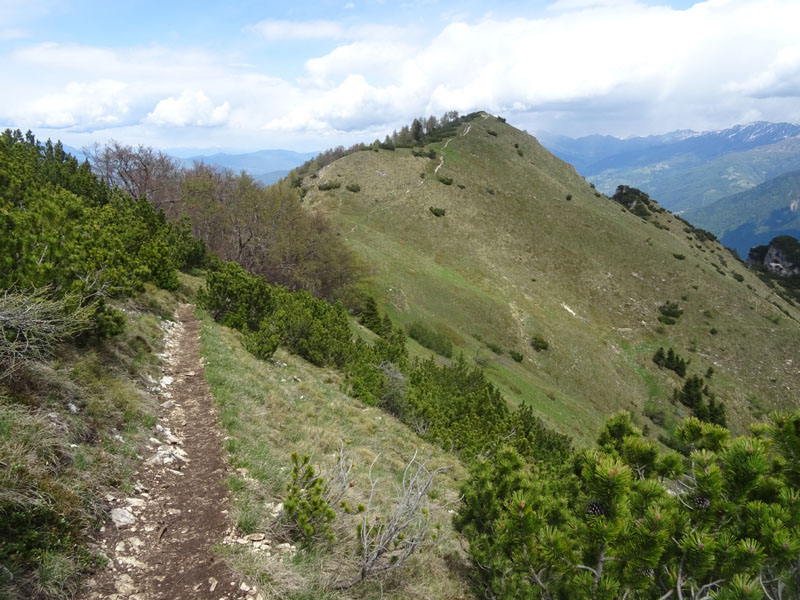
<point x="441" y="159"/>
<point x="159" y="542"/>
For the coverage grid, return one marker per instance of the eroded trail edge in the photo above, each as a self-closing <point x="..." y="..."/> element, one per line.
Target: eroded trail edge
<point x="159" y="544"/>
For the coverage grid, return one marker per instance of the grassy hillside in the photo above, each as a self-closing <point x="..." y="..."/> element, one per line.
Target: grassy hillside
<point x="270" y="409"/>
<point x="526" y="248"/>
<point x="754" y="217"/>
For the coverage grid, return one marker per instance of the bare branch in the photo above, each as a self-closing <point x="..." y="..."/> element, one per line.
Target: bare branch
<point x="32" y="324"/>
<point x="387" y="543"/>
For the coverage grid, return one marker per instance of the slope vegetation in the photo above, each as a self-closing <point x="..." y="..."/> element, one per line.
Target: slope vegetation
<point x="526" y="250"/>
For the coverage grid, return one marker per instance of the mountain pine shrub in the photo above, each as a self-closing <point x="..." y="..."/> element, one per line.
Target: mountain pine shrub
<point x="671" y="360"/>
<point x="353" y="187"/>
<point x="670" y="312"/>
<point x="437" y="212"/>
<point x="431" y="339"/>
<point x="624" y="519"/>
<point x="538" y="343"/>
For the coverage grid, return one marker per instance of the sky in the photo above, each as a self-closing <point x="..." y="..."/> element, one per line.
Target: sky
<point x="245" y="75"/>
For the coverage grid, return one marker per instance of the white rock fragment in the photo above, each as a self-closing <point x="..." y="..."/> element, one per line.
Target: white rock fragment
<point x="122" y="517"/>
<point x="124" y="584"/>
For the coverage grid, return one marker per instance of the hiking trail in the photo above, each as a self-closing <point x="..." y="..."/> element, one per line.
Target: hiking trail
<point x="158" y="542"/>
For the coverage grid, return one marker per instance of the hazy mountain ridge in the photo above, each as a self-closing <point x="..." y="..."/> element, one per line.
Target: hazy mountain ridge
<point x="685" y="169"/>
<point x="266" y="166"/>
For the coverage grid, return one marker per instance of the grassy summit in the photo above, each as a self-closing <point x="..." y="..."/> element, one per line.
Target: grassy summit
<point x="526" y="249"/>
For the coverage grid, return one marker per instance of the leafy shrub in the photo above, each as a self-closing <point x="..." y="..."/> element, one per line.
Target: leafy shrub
<point x="494" y="348"/>
<point x="670" y="312"/>
<point x="519" y="152"/>
<point x="329" y="185"/>
<point x="353" y="187"/>
<point x="569" y="196"/>
<point x="679" y="256"/>
<point x="517" y="356"/>
<point x="636" y="201"/>
<point x="738" y="277"/>
<point x="437" y="212"/>
<point x="445" y="180"/>
<point x="431" y="339"/>
<point x="64" y="229"/>
<point x="461" y="186"/>
<point x="538" y="343"/>
<point x="491" y="132"/>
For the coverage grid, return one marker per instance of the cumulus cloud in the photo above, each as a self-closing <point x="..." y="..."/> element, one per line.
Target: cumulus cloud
<point x="591" y="59"/>
<point x="581" y="66"/>
<point x="98" y="103"/>
<point x="192" y="107"/>
<point x="780" y="78"/>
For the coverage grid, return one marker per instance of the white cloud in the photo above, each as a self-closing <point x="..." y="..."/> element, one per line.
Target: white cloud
<point x="192" y="107"/>
<point x="614" y="62"/>
<point x="298" y="30"/>
<point x="780" y="78"/>
<point x="612" y="66"/>
<point x="97" y="103"/>
<point x="349" y="6"/>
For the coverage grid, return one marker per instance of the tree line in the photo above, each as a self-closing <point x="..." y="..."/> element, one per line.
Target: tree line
<point x="263" y="228"/>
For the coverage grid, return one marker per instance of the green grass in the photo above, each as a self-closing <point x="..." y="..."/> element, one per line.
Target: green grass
<point x="507" y="266"/>
<point x="270" y="409"/>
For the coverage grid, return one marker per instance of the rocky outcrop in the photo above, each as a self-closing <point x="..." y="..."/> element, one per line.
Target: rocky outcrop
<point x="781" y="256"/>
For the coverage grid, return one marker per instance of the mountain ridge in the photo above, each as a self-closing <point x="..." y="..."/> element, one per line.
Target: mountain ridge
<point x="527" y="247"/>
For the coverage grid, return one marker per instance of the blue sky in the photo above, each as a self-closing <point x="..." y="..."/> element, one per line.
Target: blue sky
<point x="246" y="75"/>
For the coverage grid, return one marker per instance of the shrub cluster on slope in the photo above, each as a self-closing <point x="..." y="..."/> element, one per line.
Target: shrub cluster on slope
<point x="64" y="230"/>
<point x="624" y="520"/>
<point x="456" y="405"/>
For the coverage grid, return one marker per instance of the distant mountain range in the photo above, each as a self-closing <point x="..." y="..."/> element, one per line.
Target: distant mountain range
<point x="265" y="165"/>
<point x="684" y="169"/>
<point x="734" y="182"/>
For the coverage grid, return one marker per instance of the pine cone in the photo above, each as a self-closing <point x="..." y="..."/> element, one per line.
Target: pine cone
<point x="596" y="508"/>
<point x="701" y="502"/>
